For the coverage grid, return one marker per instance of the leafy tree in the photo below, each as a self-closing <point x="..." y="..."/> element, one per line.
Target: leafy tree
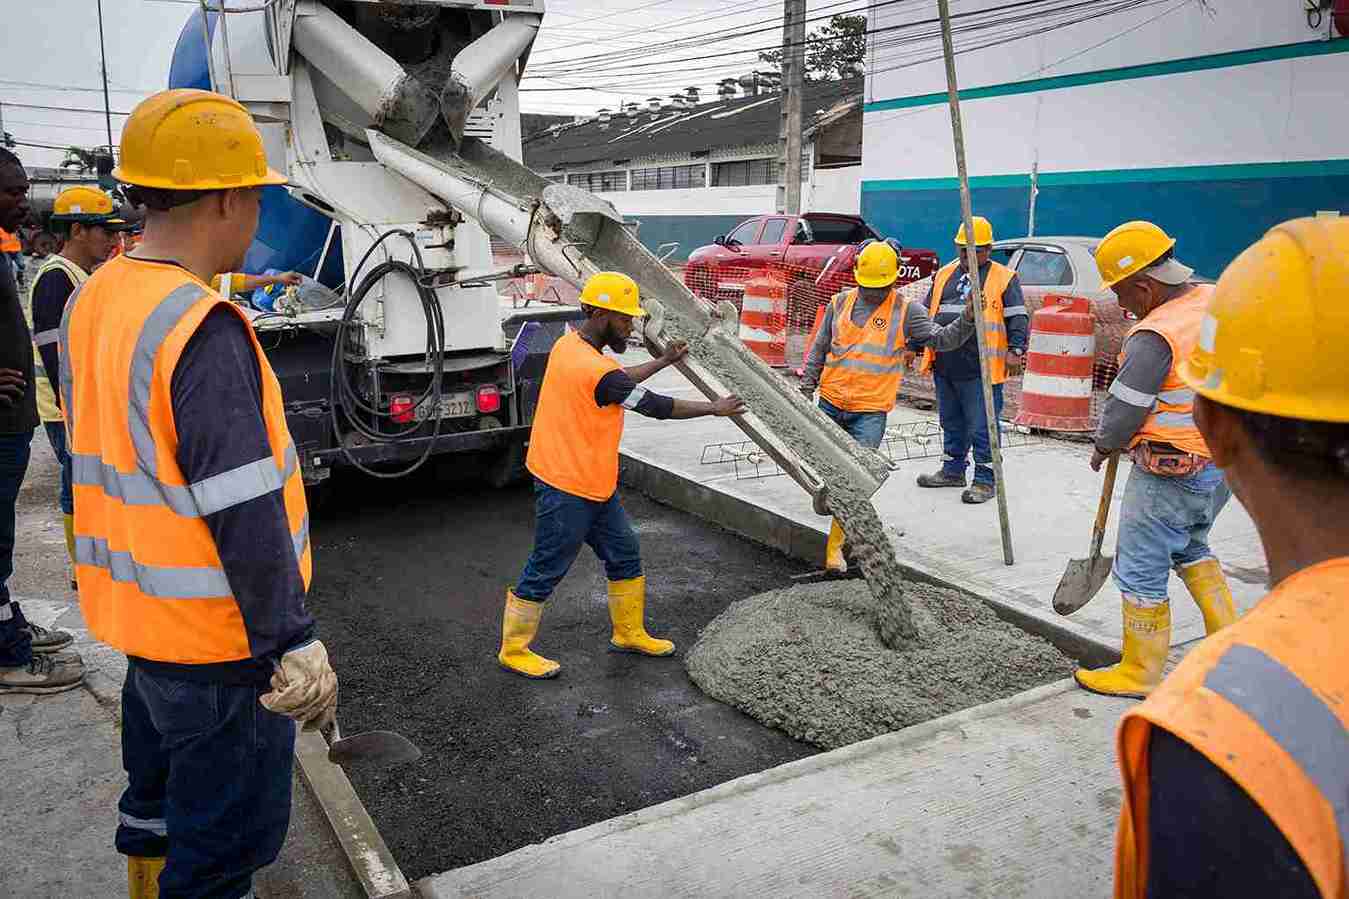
<point x="834" y="51"/>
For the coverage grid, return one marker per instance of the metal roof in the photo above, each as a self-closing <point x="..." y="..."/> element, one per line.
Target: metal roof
<point x="740" y="122"/>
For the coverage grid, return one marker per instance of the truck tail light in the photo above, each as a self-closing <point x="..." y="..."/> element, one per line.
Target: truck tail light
<point x="401" y="408"/>
<point x="489" y="399"/>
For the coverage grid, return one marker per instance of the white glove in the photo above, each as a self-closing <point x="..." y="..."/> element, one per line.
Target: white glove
<point x="304" y="687"/>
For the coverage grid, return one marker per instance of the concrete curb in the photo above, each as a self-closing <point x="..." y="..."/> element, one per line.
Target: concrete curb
<point x="369" y="856"/>
<point x="801" y="541"/>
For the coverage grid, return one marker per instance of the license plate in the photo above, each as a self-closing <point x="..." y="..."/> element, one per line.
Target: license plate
<point x="452" y="405"/>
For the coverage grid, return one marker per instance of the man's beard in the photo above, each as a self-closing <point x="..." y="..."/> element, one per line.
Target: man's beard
<point x="615" y="341"/>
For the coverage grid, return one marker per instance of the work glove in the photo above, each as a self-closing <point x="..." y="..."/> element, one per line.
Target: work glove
<point x="304" y="687"/>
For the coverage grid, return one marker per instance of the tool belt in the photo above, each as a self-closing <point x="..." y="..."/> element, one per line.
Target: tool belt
<point x="1165" y="460"/>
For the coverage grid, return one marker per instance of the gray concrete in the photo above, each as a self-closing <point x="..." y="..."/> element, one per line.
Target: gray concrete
<point x="1014" y="798"/>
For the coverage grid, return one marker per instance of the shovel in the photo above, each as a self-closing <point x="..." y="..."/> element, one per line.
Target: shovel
<point x="1083" y="578"/>
<point x="381" y="747"/>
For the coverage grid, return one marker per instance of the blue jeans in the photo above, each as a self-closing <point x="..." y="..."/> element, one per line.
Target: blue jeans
<point x="15" y="643"/>
<point x="1164" y="524"/>
<point x="564" y="521"/>
<point x="56" y="436"/>
<point x="960" y="407"/>
<point x="867" y="428"/>
<point x="209" y="773"/>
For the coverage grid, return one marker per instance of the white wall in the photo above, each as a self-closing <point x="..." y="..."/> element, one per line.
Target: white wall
<point x="834" y="190"/>
<point x="746" y="201"/>
<point x="1278" y="111"/>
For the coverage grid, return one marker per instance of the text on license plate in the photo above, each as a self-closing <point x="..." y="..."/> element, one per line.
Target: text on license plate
<point x="452" y="405"/>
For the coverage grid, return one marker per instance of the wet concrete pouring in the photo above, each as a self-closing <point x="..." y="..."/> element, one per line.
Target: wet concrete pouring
<point x="410" y="577"/>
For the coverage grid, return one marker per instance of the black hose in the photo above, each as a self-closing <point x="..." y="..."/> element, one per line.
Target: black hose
<point x="344" y="401"/>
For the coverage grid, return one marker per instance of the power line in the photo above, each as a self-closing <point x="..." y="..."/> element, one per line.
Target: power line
<point x="59" y="108"/>
<point x="47" y="86"/>
<point x="54" y="125"/>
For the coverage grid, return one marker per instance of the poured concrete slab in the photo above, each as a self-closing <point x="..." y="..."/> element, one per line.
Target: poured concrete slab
<point x="1052" y="498"/>
<point x="1014" y="798"/>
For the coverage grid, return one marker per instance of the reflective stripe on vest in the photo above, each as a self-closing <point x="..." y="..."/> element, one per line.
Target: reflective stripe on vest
<point x="995" y="328"/>
<point x="865" y="364"/>
<point x="151" y="580"/>
<point x="45" y="385"/>
<point x="1264" y="701"/>
<point x="1171" y="412"/>
<point x="573" y="445"/>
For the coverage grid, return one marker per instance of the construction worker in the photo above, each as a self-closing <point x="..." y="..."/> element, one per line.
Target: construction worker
<point x="12" y="247"/>
<point x="86" y="221"/>
<point x="32" y="658"/>
<point x="956" y="373"/>
<point x="859" y="353"/>
<point x="1174" y="492"/>
<point x="1236" y="769"/>
<point x="191" y="530"/>
<point x="573" y="455"/>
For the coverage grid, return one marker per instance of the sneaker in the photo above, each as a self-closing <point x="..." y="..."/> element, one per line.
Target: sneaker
<point x="941" y="479"/>
<point x="978" y="493"/>
<point x="47" y="640"/>
<point x="41" y="675"/>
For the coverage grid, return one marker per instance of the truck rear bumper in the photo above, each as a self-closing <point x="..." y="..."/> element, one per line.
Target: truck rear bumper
<point x="404" y="450"/>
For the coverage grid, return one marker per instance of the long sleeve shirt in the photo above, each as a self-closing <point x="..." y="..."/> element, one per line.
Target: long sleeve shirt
<point x="16" y="353"/>
<point x="216" y="392"/>
<point x="919" y="332"/>
<point x="50" y="293"/>
<point x="961" y="363"/>
<point x="617" y="388"/>
<point x="1147" y="360"/>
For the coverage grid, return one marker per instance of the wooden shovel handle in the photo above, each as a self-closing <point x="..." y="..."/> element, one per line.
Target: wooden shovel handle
<point x="1103" y="510"/>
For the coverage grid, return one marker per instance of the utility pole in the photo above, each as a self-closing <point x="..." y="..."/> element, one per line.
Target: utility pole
<point x="976" y="288"/>
<point x="107" y="106"/>
<point x="793" y="84"/>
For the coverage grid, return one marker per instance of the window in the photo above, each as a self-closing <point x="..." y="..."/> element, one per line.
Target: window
<point x="839" y="231"/>
<point x="772" y="231"/>
<point x="745" y="233"/>
<point x="1003" y="255"/>
<point x="1044" y="268"/>
<point x="669" y="177"/>
<point x="600" y="182"/>
<point x="745" y="172"/>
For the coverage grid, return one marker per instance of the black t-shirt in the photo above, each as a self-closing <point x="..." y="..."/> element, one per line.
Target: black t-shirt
<point x="50" y="293"/>
<point x="16" y="352"/>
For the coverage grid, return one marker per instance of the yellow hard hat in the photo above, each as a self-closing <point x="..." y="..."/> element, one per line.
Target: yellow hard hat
<point x="83" y="204"/>
<point x="188" y="139"/>
<point x="983" y="232"/>
<point x="1274" y="338"/>
<point x="877" y="265"/>
<point x="1130" y="248"/>
<point x="614" y="291"/>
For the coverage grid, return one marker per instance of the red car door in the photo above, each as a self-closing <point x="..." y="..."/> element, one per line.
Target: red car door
<point x="734" y="263"/>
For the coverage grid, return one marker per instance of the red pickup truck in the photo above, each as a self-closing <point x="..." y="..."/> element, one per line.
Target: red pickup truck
<point x="816" y="250"/>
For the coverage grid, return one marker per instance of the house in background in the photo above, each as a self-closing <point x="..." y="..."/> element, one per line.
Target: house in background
<point x="690" y="170"/>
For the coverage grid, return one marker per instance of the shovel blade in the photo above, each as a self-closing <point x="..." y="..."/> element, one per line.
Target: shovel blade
<point x="381" y="747"/>
<point x="1081" y="581"/>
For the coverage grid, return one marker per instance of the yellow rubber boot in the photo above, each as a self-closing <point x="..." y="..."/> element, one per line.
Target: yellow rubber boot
<point x="68" y="521"/>
<point x="834" y="563"/>
<point x="142" y="876"/>
<point x="519" y="627"/>
<point x="627" y="611"/>
<point x="1208" y="585"/>
<point x="1147" y="637"/>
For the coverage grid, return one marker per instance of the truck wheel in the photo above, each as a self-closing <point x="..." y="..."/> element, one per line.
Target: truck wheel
<point x="507" y="467"/>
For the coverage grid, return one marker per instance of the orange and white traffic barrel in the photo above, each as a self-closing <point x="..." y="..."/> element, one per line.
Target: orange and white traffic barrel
<point x="763" y="317"/>
<point x="1056" y="388"/>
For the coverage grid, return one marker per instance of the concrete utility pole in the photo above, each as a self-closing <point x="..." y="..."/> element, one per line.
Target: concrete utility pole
<point x="977" y="289"/>
<point x="793" y="84"/>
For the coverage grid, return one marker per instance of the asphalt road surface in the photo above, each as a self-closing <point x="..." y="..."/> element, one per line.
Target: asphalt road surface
<point x="410" y="578"/>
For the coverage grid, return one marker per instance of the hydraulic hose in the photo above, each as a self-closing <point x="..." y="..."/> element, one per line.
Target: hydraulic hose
<point x="345" y="404"/>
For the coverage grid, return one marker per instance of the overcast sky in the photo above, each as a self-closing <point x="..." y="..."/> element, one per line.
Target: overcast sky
<point x="51" y="57"/>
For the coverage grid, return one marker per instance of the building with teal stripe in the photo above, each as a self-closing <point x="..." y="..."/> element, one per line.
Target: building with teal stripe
<point x="1215" y="121"/>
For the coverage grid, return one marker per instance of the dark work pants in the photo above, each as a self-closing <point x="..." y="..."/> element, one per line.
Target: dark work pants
<point x="209" y="773"/>
<point x="960" y="407"/>
<point x="15" y="644"/>
<point x="563" y="522"/>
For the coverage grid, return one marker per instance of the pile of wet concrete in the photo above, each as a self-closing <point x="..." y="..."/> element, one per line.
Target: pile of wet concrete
<point x="819" y="661"/>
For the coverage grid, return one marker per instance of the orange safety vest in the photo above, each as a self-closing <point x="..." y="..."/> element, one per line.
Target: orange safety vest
<point x="1171" y="419"/>
<point x="573" y="445"/>
<point x="995" y="328"/>
<point x="10" y="243"/>
<point x="864" y="365"/>
<point x="151" y="580"/>
<point x="47" y="409"/>
<point x="1266" y="700"/>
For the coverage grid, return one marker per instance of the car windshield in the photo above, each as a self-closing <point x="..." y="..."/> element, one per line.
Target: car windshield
<point x="838" y="231"/>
